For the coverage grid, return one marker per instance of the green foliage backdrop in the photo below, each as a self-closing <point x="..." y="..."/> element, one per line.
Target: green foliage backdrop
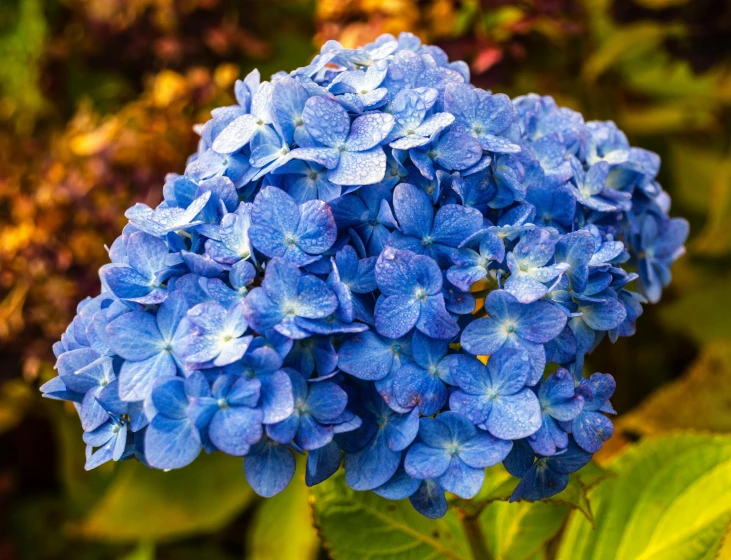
<point x="97" y="103"/>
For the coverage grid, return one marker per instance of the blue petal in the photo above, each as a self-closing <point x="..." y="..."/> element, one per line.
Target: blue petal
<point x="462" y="480"/>
<point x="396" y="315"/>
<point x="414" y="210"/>
<point x="399" y="487"/>
<point x="269" y="467"/>
<point x="322" y="463"/>
<point x="359" y="168"/>
<point x="401" y="430"/>
<point x="137" y="378"/>
<point x="316" y="231"/>
<point x="484" y="450"/>
<point x="372" y="466"/>
<point x="424" y="462"/>
<point x="234" y="429"/>
<point x="171" y="443"/>
<point x="368" y="131"/>
<point x="326" y="121"/>
<point x="515" y="416"/>
<point x="434" y="321"/>
<point x="429" y="500"/>
<point x="366" y="356"/>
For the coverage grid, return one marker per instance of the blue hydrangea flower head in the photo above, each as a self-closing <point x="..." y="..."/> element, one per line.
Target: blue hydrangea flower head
<point x="373" y="262"/>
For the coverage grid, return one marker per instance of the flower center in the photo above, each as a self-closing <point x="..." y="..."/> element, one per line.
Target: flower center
<point x="427" y="240"/>
<point x="222" y="403"/>
<point x="420" y="294"/>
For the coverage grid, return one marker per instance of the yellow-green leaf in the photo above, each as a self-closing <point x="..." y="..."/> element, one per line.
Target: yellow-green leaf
<point x="360" y="525"/>
<point x="146" y="504"/>
<point x="282" y="526"/>
<point x="670" y="498"/>
<point x="701" y="313"/>
<point x="700" y="400"/>
<point x="519" y="530"/>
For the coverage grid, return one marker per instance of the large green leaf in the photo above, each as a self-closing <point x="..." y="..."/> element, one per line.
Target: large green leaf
<point x="360" y="525"/>
<point x="282" y="526"/>
<point x="146" y="504"/>
<point x="519" y="530"/>
<point x="670" y="498"/>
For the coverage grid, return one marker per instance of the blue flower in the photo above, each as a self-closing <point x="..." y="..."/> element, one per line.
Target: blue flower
<point x="263" y="363"/>
<point x="591" y="428"/>
<point x="359" y="88"/>
<point x="555" y="206"/>
<point x="286" y="296"/>
<point x="455" y="453"/>
<point x="453" y="151"/>
<point x="172" y="440"/>
<point x="83" y="375"/>
<point x="318" y="410"/>
<point x="305" y="181"/>
<point x="547" y="476"/>
<point x="471" y="266"/>
<point x="591" y="191"/>
<point x="412" y="129"/>
<point x="529" y="268"/>
<point x="422" y="383"/>
<point x="280" y="228"/>
<point x="110" y="439"/>
<point x="305" y="283"/>
<point x="411" y="297"/>
<point x="495" y="397"/>
<point x="234" y="244"/>
<point x="227" y="411"/>
<point x="482" y="115"/>
<point x="148" y="344"/>
<point x="512" y="324"/>
<point x="352" y="280"/>
<point x="213" y="334"/>
<point x="368" y="356"/>
<point x="424" y="232"/>
<point x="351" y="151"/>
<point x="248" y="127"/>
<point x="165" y="219"/>
<point x="368" y="212"/>
<point x="661" y="243"/>
<point x="142" y="278"/>
<point x="387" y="435"/>
<point x="311" y="356"/>
<point x="269" y="467"/>
<point x="559" y="403"/>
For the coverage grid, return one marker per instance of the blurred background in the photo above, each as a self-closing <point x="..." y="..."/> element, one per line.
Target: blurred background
<point x="97" y="103"/>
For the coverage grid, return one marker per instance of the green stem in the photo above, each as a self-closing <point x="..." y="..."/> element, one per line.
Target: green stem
<point x="474" y="535"/>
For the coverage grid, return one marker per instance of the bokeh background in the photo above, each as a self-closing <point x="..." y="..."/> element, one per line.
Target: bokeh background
<point x="97" y="103"/>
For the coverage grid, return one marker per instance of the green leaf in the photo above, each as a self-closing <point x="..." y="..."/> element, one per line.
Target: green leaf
<point x="499" y="486"/>
<point x="285" y="515"/>
<point x="357" y="525"/>
<point x="518" y="531"/>
<point x="147" y="504"/>
<point x="143" y="551"/>
<point x="701" y="313"/>
<point x="699" y="400"/>
<point x="670" y="498"/>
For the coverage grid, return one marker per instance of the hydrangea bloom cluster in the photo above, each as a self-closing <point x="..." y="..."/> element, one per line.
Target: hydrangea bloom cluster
<point x="372" y="262"/>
